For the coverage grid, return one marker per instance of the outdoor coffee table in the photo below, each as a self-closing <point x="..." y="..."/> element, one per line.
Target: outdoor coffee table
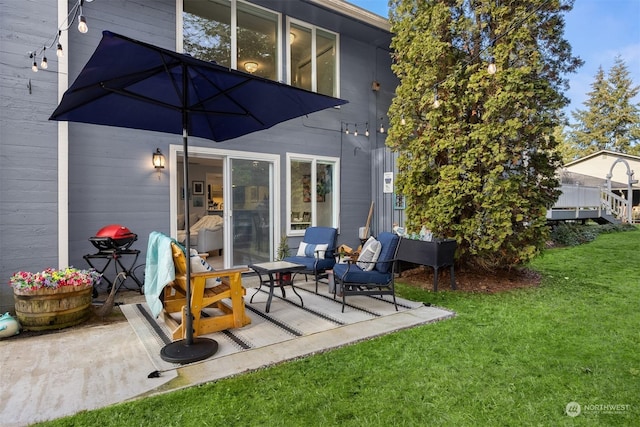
<point x="285" y="277"/>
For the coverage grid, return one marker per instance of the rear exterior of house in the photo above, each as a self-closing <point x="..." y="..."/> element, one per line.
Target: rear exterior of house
<point x="62" y="182"/>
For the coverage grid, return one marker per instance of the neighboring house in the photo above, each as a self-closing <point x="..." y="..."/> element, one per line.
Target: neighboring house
<point x="61" y="182"/>
<point x="583" y="181"/>
<point x="604" y="163"/>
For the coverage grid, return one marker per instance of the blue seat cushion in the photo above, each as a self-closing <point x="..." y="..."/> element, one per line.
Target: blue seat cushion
<point x="310" y="262"/>
<point x="358" y="276"/>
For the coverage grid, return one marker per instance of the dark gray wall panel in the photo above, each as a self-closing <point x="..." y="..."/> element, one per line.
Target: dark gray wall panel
<point x="28" y="177"/>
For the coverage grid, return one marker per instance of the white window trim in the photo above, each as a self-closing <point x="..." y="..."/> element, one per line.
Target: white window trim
<point x="314" y="75"/>
<point x="314" y="160"/>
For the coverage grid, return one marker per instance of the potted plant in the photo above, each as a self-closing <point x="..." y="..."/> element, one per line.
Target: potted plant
<point x="53" y="299"/>
<point x="283" y="252"/>
<point x="283" y="248"/>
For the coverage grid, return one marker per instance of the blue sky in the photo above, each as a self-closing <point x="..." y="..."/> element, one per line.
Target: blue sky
<point x="598" y="31"/>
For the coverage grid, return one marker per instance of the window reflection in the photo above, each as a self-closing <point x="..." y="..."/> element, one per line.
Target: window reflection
<point x="207" y="31"/>
<point x="207" y="34"/>
<point x="257" y="40"/>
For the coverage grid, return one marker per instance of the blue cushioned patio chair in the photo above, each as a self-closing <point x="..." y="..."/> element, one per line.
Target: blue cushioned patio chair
<point x="312" y="258"/>
<point x="350" y="279"/>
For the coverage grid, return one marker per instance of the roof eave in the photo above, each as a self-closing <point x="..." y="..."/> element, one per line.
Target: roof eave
<point x="356" y="12"/>
<point x="598" y="153"/>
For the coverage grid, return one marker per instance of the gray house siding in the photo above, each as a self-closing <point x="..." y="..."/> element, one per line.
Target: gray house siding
<point x="110" y="175"/>
<point x="28" y="148"/>
<point x="111" y="180"/>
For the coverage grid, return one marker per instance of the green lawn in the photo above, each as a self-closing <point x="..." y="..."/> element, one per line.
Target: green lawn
<point x="511" y="359"/>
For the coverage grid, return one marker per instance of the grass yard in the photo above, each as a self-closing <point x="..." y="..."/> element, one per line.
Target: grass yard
<point x="511" y="359"/>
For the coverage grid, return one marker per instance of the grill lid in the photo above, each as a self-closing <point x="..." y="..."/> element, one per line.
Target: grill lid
<point x="113" y="237"/>
<point x="115" y="231"/>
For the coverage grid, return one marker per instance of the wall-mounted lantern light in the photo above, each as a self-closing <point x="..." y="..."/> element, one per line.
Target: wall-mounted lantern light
<point x="158" y="160"/>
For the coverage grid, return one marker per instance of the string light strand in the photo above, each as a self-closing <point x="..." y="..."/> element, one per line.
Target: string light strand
<point x="74" y="13"/>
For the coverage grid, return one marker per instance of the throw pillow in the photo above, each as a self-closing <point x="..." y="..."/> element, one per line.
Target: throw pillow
<point x="302" y="249"/>
<point x="321" y="250"/>
<point x="199" y="265"/>
<point x="310" y="250"/>
<point x="369" y="254"/>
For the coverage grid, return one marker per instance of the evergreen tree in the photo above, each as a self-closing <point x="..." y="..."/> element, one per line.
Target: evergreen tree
<point x="625" y="115"/>
<point x="568" y="152"/>
<point x="611" y="120"/>
<point x="476" y="152"/>
<point x="589" y="133"/>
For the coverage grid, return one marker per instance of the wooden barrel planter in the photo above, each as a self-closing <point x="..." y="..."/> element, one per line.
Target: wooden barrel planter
<point x="44" y="309"/>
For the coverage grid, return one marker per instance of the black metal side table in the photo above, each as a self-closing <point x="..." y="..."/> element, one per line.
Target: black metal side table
<point x="284" y="272"/>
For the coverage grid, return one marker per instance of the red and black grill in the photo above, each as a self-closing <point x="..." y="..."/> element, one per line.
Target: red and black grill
<point x="113" y="237"/>
<point x="113" y="242"/>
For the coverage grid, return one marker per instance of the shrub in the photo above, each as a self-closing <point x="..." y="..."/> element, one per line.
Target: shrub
<point x="573" y="233"/>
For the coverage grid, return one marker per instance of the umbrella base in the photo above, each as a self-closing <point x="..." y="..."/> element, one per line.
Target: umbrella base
<point x="182" y="352"/>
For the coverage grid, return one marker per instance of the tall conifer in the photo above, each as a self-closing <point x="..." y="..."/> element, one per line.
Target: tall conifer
<point x="476" y="152"/>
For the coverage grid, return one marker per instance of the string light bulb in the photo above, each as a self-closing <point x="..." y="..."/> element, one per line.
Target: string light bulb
<point x="436" y="101"/>
<point x="381" y="125"/>
<point x="59" y="51"/>
<point x="43" y="64"/>
<point x="82" y="24"/>
<point x="34" y="66"/>
<point x="491" y="69"/>
<point x="403" y="121"/>
<point x="346" y="130"/>
<point x="355" y="133"/>
<point x="366" y="132"/>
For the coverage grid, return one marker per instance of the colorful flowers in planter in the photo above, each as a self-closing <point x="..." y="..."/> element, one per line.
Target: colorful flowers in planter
<point x="53" y="279"/>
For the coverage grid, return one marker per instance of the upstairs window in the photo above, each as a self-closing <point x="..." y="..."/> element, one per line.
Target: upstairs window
<point x="234" y="34"/>
<point x="313" y="58"/>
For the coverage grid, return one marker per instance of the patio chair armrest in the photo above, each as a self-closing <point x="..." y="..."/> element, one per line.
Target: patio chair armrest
<point x="219" y="273"/>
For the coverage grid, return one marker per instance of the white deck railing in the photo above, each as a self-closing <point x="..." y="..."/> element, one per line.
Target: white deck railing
<point x="581" y="198"/>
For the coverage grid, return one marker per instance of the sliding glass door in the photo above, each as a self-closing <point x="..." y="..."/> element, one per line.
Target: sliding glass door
<point x="231" y="195"/>
<point x="251" y="211"/>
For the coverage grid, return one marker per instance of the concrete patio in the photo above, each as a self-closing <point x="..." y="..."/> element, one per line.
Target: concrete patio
<point x="98" y="364"/>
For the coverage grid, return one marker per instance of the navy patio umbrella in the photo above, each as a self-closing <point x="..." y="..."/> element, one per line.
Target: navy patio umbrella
<point x="131" y="84"/>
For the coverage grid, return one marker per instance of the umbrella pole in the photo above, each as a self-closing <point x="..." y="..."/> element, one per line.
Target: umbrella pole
<point x="189" y="349"/>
